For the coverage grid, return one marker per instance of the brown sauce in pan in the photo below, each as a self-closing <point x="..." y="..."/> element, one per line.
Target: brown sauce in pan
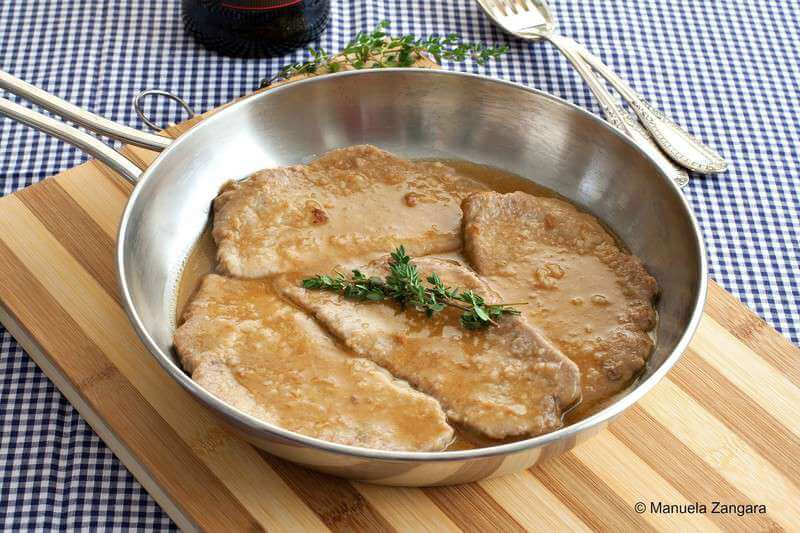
<point x="201" y="261"/>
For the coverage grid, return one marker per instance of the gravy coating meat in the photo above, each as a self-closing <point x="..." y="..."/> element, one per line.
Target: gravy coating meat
<point x="260" y="354"/>
<point x="503" y="381"/>
<point x="353" y="203"/>
<point x="591" y="299"/>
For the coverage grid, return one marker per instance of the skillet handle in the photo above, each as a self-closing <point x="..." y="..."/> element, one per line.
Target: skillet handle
<point x="91" y="145"/>
<point x="73" y="113"/>
<point x="137" y="106"/>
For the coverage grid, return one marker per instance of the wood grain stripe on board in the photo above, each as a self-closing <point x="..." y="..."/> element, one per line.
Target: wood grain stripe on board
<point x="346" y="506"/>
<point x="336" y="502"/>
<point x="75" y="230"/>
<point x="754" y="376"/>
<point x="588" y="496"/>
<point x="472" y="509"/>
<point x="753" y="331"/>
<point x="688" y="473"/>
<point x="407" y="509"/>
<point x="118" y="181"/>
<point x="96" y="195"/>
<point x="112" y="397"/>
<point x="230" y="459"/>
<point x="736" y="461"/>
<point x="771" y="439"/>
<point x="532" y="504"/>
<point x="141" y="156"/>
<point x="633" y="481"/>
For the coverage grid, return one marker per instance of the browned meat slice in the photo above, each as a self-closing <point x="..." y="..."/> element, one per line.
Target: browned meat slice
<point x="347" y="207"/>
<point x="591" y="299"/>
<point x="245" y="345"/>
<point x="504" y="381"/>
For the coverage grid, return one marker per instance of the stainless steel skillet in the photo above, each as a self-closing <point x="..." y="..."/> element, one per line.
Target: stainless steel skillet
<point x="415" y="113"/>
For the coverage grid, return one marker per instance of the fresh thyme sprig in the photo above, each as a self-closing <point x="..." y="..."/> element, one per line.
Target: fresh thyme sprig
<point x="378" y="49"/>
<point x="404" y="285"/>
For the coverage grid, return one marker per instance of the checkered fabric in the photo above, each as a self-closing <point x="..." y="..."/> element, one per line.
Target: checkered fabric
<point x="727" y="70"/>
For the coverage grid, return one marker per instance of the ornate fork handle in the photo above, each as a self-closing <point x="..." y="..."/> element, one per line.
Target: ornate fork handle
<point x="679" y="144"/>
<point x="620" y="118"/>
<point x="623" y="120"/>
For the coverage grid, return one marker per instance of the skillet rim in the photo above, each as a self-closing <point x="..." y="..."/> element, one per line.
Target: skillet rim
<point x="238" y="418"/>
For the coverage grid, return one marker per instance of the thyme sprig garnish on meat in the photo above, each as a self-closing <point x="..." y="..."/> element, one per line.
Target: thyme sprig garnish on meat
<point x="404" y="285"/>
<point x="378" y="49"/>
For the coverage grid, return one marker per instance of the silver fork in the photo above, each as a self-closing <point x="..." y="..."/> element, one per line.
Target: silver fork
<point x="532" y="20"/>
<point x="619" y="117"/>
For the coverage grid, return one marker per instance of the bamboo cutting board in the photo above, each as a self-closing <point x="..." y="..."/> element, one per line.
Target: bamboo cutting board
<point x="724" y="426"/>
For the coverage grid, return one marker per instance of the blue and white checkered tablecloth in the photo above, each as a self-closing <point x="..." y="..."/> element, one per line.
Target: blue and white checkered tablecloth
<point x="727" y="69"/>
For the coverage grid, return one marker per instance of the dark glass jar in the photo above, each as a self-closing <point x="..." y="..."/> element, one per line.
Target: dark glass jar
<point x="255" y="28"/>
